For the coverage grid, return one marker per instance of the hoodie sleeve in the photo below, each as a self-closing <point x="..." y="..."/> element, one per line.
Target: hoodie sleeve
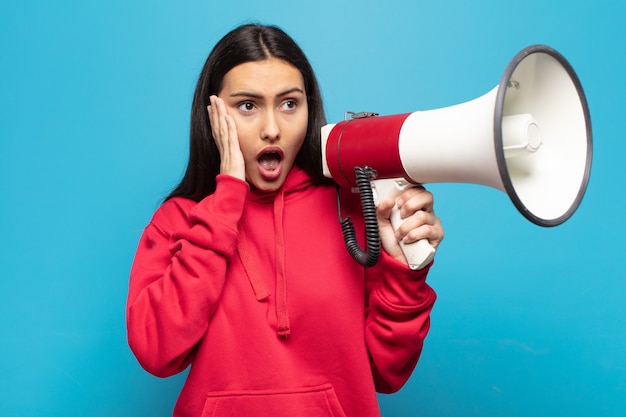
<point x="178" y="274"/>
<point x="397" y="321"/>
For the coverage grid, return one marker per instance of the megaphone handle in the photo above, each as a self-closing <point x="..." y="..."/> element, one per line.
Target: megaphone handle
<point x="418" y="254"/>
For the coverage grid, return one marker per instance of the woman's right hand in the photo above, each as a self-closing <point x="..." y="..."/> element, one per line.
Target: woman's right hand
<point x="225" y="136"/>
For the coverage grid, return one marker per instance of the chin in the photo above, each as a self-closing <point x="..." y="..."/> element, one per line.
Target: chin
<point x="267" y="186"/>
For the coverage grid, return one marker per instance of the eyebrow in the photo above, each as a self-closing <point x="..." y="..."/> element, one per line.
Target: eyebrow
<point x="258" y="96"/>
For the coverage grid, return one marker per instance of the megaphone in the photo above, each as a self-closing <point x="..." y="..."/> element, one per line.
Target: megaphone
<point x="529" y="137"/>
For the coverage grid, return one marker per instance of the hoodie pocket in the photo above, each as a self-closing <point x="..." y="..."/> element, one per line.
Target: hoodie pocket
<point x="320" y="401"/>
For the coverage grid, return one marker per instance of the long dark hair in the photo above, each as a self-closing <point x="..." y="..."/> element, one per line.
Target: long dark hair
<point x="250" y="42"/>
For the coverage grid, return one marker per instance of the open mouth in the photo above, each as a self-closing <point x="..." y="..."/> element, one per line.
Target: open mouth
<point x="270" y="163"/>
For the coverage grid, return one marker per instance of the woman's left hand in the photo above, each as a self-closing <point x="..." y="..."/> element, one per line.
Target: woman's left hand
<point x="419" y="221"/>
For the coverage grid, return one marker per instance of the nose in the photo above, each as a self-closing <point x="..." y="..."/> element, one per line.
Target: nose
<point x="270" y="129"/>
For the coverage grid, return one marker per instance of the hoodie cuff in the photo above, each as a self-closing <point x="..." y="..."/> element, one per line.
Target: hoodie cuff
<point x="403" y="288"/>
<point x="225" y="204"/>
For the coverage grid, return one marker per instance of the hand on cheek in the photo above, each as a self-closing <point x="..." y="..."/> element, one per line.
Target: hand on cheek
<point x="225" y="135"/>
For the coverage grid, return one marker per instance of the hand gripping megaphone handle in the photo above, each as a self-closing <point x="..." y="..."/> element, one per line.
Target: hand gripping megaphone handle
<point x="418" y="254"/>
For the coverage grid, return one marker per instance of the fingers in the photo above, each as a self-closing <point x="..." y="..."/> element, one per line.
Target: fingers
<point x="419" y="221"/>
<point x="422" y="225"/>
<point x="414" y="199"/>
<point x="219" y="125"/>
<point x="224" y="133"/>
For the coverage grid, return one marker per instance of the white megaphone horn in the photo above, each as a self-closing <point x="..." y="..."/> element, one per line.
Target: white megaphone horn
<point x="529" y="137"/>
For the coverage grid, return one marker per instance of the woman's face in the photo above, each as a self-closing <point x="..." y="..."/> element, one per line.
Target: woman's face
<point x="268" y="102"/>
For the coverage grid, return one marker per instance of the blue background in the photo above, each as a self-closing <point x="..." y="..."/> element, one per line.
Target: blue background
<point x="95" y="98"/>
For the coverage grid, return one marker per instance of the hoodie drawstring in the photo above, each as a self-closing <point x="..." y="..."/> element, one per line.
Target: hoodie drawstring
<point x="257" y="282"/>
<point x="282" y="314"/>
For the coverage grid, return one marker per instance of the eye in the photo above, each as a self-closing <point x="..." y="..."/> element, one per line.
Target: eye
<point x="290" y="104"/>
<point x="246" y="106"/>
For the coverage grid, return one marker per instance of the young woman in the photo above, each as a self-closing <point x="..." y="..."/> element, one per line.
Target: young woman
<point x="243" y="273"/>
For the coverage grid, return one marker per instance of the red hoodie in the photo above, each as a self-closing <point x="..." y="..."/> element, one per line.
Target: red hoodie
<point x="257" y="292"/>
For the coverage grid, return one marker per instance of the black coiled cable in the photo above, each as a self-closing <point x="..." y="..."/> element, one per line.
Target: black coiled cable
<point x="370" y="257"/>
